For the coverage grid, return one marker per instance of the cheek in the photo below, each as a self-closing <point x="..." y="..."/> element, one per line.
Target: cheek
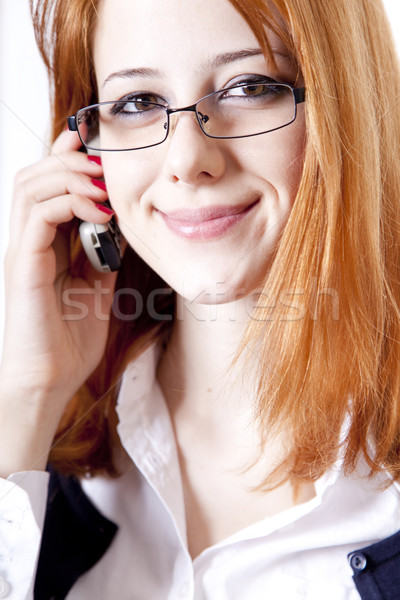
<point x="280" y="162"/>
<point x="127" y="177"/>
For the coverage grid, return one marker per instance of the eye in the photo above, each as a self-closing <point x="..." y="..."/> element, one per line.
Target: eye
<point x="253" y="89"/>
<point x="257" y="91"/>
<point x="136" y="104"/>
<point x="254" y="86"/>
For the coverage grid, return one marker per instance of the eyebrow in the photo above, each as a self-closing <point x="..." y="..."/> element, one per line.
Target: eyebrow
<point x="229" y="57"/>
<point x="131" y="73"/>
<point x="218" y="61"/>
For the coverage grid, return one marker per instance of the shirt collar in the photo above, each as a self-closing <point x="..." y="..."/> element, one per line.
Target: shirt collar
<point x="146" y="432"/>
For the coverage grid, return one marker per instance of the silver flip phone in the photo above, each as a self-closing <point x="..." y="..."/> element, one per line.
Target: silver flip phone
<point x="102" y="244"/>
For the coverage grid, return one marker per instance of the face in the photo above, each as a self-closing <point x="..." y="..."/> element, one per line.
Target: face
<point x="205" y="214"/>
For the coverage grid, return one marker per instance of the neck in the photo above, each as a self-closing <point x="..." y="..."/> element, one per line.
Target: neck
<point x="197" y="370"/>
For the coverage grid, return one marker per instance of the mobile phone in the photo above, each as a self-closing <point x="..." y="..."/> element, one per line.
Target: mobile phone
<point x="102" y="244"/>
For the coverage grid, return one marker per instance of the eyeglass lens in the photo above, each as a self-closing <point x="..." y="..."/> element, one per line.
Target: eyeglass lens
<point x="238" y="111"/>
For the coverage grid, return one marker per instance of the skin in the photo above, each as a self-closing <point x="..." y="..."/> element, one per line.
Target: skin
<point x="46" y="357"/>
<point x="190" y="170"/>
<point x="211" y="405"/>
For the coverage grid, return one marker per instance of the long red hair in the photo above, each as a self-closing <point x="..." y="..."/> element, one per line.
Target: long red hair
<point x="336" y="352"/>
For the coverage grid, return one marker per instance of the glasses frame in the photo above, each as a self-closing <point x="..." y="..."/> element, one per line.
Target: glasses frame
<point x="299" y="96"/>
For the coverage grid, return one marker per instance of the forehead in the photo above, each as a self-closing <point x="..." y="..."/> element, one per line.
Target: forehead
<point x="168" y="34"/>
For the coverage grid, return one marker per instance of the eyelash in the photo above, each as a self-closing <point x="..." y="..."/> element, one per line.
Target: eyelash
<point x="144" y="97"/>
<point x="249" y="79"/>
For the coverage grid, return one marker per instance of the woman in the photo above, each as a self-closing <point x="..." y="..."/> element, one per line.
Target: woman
<point x="229" y="403"/>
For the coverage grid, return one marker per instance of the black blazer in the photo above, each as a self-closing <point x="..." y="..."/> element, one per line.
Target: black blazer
<point x="76" y="536"/>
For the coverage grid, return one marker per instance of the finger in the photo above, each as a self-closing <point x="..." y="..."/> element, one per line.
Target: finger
<point x="40" y="260"/>
<point x="45" y="187"/>
<point x="45" y="217"/>
<point x="64" y="152"/>
<point x="67" y="161"/>
<point x="34" y="255"/>
<point x="67" y="140"/>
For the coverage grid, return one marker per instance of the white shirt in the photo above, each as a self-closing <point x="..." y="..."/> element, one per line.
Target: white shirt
<point x="298" y="554"/>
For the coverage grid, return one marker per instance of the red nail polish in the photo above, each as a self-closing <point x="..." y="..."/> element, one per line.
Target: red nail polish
<point x="104" y="209"/>
<point x="100" y="184"/>
<point x="95" y="159"/>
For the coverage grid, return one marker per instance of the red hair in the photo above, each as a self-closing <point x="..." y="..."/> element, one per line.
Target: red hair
<point x="340" y="250"/>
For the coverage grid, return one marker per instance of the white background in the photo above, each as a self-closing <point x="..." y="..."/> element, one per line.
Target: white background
<point x="24" y="106"/>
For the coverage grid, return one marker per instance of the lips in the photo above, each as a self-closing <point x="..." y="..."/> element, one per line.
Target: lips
<point x="207" y="222"/>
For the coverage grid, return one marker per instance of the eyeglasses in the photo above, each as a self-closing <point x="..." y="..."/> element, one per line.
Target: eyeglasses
<point x="137" y="121"/>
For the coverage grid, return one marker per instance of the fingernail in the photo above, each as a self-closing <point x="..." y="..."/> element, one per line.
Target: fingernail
<point x="95" y="159"/>
<point x="104" y="209"/>
<point x="100" y="184"/>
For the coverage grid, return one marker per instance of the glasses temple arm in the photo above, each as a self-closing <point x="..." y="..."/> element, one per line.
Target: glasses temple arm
<point x="299" y="95"/>
<point x="71" y="121"/>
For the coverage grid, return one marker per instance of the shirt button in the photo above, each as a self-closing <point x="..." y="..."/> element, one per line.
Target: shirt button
<point x="358" y="561"/>
<point x="184" y="590"/>
<point x="5" y="588"/>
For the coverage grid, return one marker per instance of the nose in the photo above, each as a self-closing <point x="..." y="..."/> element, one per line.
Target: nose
<point x="192" y="157"/>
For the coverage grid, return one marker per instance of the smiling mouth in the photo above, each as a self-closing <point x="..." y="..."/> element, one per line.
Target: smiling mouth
<point x="208" y="222"/>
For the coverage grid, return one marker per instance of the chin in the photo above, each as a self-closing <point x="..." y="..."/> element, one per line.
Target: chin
<point x="213" y="292"/>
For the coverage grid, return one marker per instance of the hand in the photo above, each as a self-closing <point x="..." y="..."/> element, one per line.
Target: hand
<point x="46" y="355"/>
